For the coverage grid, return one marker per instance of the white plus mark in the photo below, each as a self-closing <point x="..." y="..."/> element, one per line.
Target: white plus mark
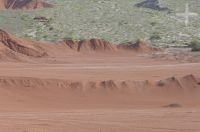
<point x="187" y="14"/>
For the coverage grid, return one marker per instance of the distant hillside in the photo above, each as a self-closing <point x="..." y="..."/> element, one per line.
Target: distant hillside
<point x="113" y="20"/>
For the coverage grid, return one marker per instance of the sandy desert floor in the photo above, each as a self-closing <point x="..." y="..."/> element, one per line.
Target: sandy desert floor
<point x="50" y="111"/>
<point x="103" y="120"/>
<point x="101" y="68"/>
<point x="93" y="85"/>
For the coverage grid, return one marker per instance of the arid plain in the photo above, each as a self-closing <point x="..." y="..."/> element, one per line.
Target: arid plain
<point x="93" y="85"/>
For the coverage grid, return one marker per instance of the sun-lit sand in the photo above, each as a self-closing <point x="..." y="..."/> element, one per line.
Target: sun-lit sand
<point x="94" y="85"/>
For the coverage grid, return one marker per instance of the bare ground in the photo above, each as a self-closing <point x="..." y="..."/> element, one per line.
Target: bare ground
<point x="103" y="120"/>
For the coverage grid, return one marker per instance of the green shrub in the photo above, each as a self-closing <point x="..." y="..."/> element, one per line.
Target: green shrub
<point x="153" y="23"/>
<point x="195" y="45"/>
<point x="155" y="36"/>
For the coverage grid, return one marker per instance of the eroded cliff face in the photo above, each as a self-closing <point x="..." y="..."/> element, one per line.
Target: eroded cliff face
<point x="10" y="45"/>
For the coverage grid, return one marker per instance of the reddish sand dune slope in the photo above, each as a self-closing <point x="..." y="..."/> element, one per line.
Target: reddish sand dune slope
<point x="12" y="45"/>
<point x="66" y="93"/>
<point x="188" y="84"/>
<point x="23" y="4"/>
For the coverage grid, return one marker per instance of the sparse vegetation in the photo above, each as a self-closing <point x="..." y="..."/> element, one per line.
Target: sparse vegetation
<point x="155" y="36"/>
<point x="115" y="20"/>
<point x="195" y="44"/>
<point x="153" y="23"/>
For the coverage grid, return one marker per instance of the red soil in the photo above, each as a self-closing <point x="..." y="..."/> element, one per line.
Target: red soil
<point x="91" y="45"/>
<point x="11" y="47"/>
<point x="94" y="85"/>
<point x="23" y="4"/>
<point x="91" y="73"/>
<point x="17" y="47"/>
